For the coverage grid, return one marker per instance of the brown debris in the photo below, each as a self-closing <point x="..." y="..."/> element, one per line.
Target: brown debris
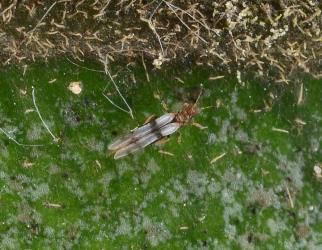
<point x="278" y="40"/>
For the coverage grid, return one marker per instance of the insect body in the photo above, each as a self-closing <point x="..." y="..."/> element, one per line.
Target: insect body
<point x="153" y="131"/>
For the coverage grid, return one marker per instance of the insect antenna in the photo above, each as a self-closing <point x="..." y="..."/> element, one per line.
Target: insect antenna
<point x="199" y="95"/>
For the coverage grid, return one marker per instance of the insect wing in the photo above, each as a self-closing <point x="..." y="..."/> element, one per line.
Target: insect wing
<point x="147" y="139"/>
<point x="142" y="131"/>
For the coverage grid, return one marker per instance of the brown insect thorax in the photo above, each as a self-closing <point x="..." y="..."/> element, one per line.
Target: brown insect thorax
<point x="188" y="111"/>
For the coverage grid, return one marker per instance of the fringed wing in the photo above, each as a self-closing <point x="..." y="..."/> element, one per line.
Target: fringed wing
<point x="141" y="131"/>
<point x="147" y="139"/>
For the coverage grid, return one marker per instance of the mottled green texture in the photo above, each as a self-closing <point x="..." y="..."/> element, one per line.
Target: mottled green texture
<point x="152" y="199"/>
